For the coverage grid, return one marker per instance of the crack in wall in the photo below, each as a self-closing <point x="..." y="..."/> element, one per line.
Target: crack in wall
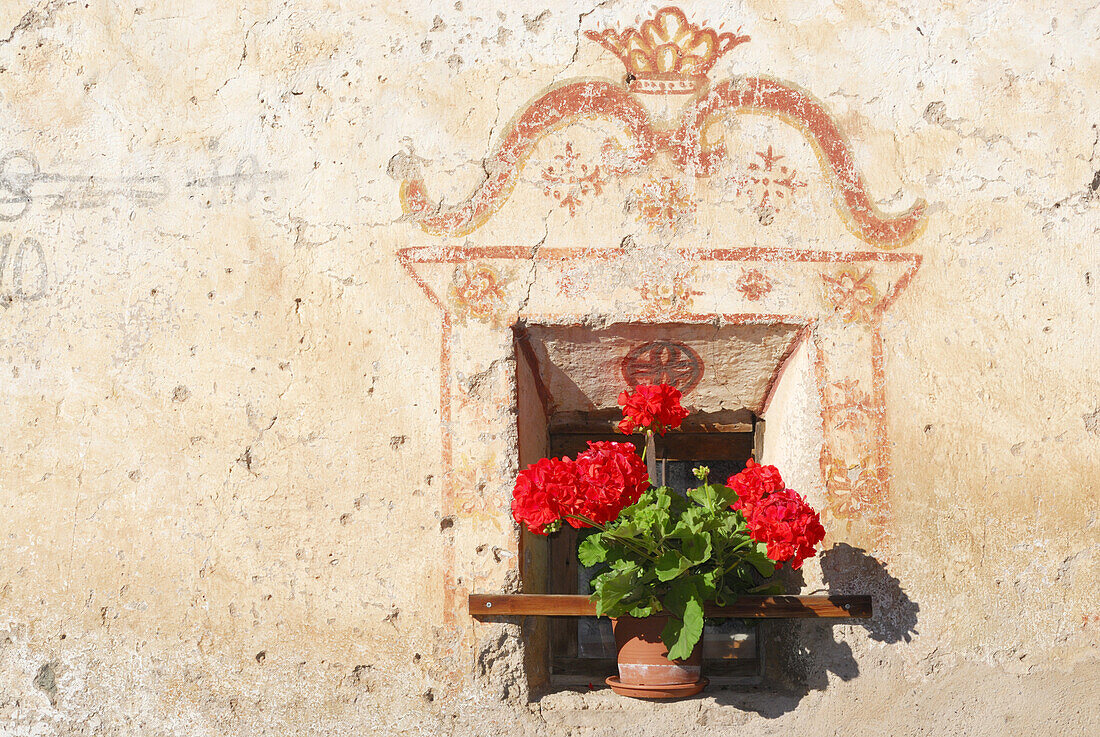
<point x="37" y="19"/>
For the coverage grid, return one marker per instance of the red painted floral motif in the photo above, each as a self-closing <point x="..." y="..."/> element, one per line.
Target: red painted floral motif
<point x="851" y="294"/>
<point x="855" y="489"/>
<point x="564" y="105"/>
<point x="847" y="407"/>
<point x="767" y="184"/>
<point x="663" y="362"/>
<point x="849" y="419"/>
<point x="664" y="203"/>
<point x="471" y="500"/>
<point x="478" y="291"/>
<point x="567" y="180"/>
<point x="667" y="295"/>
<point x="573" y="282"/>
<point x="753" y="284"/>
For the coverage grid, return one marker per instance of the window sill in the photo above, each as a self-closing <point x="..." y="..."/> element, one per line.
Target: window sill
<point x="747" y="607"/>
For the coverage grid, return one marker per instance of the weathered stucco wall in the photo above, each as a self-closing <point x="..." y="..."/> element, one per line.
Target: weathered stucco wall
<point x="249" y="468"/>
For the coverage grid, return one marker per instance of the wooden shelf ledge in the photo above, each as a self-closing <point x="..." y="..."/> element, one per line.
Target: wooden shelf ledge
<point x="747" y="607"/>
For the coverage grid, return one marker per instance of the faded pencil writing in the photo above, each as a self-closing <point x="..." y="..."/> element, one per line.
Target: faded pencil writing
<point x="24" y="183"/>
<point x="24" y="272"/>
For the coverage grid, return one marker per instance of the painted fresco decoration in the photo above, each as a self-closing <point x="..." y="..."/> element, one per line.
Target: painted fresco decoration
<point x="852" y="420"/>
<point x="768" y="184"/>
<point x="667" y="55"/>
<point x="478" y="292"/>
<point x="667" y="294"/>
<point x="568" y="180"/>
<point x="851" y="293"/>
<point x="754" y="284"/>
<point x="669" y="362"/>
<point x="837" y="299"/>
<point x="663" y="203"/>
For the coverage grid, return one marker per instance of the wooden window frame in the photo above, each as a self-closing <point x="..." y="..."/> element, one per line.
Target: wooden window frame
<point x="538" y="422"/>
<point x="493" y="606"/>
<point x="847" y="606"/>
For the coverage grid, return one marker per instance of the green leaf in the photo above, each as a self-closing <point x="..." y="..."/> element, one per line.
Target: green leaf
<point x="701" y="495"/>
<point x="691" y="521"/>
<point x="681" y="635"/>
<point x="758" y="557"/>
<point x="680" y="591"/>
<point x="733" y="525"/>
<point x="592" y="550"/>
<point x="707" y="585"/>
<point x="628" y="529"/>
<point x="621" y="564"/>
<point x="724" y="495"/>
<point x="645" y="609"/>
<point x="653" y="515"/>
<point x="728" y="540"/>
<point x="610" y="588"/>
<point x="697" y="547"/>
<point x="670" y="564"/>
<point x="712" y="578"/>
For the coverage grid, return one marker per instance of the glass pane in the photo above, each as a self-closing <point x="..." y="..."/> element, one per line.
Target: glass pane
<point x="594" y="636"/>
<point x="678" y="475"/>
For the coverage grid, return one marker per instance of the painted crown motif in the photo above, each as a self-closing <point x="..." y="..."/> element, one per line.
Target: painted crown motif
<point x="668" y="53"/>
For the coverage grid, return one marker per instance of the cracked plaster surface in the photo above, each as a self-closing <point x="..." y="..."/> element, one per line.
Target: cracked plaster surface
<point x="219" y="501"/>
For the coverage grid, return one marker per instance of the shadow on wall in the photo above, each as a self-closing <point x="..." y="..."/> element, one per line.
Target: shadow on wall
<point x="848" y="570"/>
<point x="800" y="655"/>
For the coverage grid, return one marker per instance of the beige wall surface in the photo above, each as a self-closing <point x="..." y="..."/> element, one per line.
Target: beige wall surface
<point x="256" y="450"/>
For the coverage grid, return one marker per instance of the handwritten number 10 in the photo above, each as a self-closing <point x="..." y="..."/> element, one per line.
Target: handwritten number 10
<point x="28" y="276"/>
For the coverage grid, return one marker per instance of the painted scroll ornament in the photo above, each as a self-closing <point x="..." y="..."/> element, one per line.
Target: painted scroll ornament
<point x="667" y="55"/>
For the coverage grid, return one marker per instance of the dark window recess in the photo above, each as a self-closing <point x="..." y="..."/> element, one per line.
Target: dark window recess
<point x="583" y="648"/>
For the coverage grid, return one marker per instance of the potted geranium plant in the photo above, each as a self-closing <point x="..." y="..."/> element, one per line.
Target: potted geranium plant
<point x="665" y="555"/>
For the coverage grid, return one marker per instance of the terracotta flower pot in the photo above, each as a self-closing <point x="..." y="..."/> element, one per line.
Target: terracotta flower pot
<point x="644" y="667"/>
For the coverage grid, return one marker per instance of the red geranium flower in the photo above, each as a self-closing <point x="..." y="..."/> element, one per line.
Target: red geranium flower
<point x="776" y="515"/>
<point x="612" y="478"/>
<point x="788" y="525"/>
<point x="753" y="484"/>
<point x="651" y="407"/>
<point x="543" y="490"/>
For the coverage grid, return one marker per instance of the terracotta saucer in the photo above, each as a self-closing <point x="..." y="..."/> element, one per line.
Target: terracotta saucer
<point x="677" y="691"/>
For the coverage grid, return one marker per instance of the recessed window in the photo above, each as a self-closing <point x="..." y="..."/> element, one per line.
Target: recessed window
<point x="568" y="381"/>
